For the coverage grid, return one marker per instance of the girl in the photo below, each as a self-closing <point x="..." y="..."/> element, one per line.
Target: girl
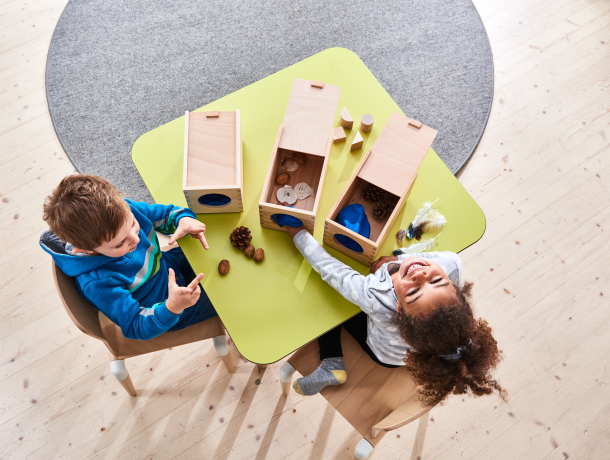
<point x="415" y="313"/>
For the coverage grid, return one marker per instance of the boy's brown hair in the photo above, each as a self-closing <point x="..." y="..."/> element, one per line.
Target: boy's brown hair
<point x="85" y="211"/>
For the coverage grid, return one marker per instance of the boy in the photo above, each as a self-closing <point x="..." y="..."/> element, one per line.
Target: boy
<point x="109" y="245"/>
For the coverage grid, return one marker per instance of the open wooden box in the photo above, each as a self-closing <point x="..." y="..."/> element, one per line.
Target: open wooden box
<point x="391" y="165"/>
<point x="306" y="129"/>
<point x="213" y="162"/>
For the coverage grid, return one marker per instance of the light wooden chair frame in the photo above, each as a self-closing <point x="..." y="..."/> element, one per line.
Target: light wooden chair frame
<point x="94" y="323"/>
<point x="374" y="399"/>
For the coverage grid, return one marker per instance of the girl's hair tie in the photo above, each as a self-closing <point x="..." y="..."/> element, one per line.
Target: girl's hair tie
<point x="457" y="355"/>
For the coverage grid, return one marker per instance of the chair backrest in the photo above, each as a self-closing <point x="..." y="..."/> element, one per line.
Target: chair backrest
<point x="84" y="315"/>
<point x="94" y="323"/>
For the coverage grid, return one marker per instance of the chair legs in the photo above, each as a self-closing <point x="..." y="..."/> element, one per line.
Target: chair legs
<point x="286" y="372"/>
<point x="118" y="369"/>
<point x="363" y="449"/>
<point x="222" y="348"/>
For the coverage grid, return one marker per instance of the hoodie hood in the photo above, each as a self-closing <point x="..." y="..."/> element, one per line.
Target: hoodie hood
<point x="72" y="264"/>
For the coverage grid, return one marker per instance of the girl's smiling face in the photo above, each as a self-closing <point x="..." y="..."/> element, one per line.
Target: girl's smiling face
<point x="421" y="286"/>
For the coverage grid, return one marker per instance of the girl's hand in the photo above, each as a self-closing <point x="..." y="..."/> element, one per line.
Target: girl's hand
<point x="293" y="230"/>
<point x="379" y="262"/>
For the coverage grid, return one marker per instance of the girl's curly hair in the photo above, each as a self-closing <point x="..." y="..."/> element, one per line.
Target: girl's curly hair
<point x="441" y="333"/>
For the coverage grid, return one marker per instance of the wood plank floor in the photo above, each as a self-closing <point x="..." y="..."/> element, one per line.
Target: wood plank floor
<point x="542" y="176"/>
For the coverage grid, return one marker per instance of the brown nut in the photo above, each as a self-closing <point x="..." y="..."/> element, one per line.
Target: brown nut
<point x="223" y="267"/>
<point x="282" y="179"/>
<point x="249" y="251"/>
<point x="300" y="158"/>
<point x="259" y="254"/>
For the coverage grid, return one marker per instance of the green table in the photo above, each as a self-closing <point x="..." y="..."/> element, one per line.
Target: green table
<point x="273" y="308"/>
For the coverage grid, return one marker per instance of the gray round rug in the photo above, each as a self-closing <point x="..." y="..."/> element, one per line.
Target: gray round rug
<point x="117" y="69"/>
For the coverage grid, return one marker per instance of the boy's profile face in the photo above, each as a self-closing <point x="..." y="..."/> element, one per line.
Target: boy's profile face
<point x="126" y="240"/>
<point x="421" y="286"/>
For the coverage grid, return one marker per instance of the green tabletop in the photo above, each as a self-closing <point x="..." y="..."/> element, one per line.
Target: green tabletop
<point x="272" y="308"/>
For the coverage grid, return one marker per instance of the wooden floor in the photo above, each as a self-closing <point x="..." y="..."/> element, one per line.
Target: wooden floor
<point x="541" y="175"/>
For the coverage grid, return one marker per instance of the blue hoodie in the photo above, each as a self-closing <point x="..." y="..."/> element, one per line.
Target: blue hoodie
<point x="130" y="290"/>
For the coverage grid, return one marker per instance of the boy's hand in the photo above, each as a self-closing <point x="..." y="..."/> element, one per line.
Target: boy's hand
<point x="379" y="262"/>
<point x="188" y="225"/>
<point x="293" y="230"/>
<point x="180" y="298"/>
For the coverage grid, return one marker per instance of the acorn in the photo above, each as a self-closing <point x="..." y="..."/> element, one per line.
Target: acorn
<point x="223" y="267"/>
<point x="259" y="254"/>
<point x="282" y="179"/>
<point x="300" y="158"/>
<point x="249" y="251"/>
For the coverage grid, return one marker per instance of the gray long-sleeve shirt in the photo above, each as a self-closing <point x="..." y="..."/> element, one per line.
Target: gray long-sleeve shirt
<point x="374" y="294"/>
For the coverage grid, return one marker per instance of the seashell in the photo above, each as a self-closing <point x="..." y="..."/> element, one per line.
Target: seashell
<point x="289" y="164"/>
<point x="303" y="190"/>
<point x="286" y="194"/>
<point x="300" y="158"/>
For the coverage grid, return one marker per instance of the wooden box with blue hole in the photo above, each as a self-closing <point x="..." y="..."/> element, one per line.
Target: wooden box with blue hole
<point x="300" y="156"/>
<point x="390" y="166"/>
<point x="213" y="162"/>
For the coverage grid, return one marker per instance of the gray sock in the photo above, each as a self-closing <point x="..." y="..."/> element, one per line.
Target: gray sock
<point x="331" y="371"/>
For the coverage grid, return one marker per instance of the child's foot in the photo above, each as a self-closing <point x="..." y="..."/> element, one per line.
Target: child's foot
<point x="330" y="372"/>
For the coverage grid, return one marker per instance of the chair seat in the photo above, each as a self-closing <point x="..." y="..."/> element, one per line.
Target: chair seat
<point x="371" y="391"/>
<point x="127" y="348"/>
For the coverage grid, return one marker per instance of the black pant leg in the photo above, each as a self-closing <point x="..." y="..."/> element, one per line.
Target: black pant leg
<point x="357" y="326"/>
<point x="330" y="344"/>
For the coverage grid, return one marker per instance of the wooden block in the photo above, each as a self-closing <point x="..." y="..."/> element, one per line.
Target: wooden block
<point x="338" y="135"/>
<point x="317" y="84"/>
<point x="358" y="141"/>
<point x="346" y="119"/>
<point x="415" y="123"/>
<point x="366" y="123"/>
<point x="213" y="160"/>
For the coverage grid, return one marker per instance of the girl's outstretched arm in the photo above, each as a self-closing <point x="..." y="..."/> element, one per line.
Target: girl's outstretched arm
<point x="347" y="281"/>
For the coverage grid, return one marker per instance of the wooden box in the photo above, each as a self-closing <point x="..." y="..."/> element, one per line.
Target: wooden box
<point x="391" y="165"/>
<point x="213" y="162"/>
<point x="306" y="130"/>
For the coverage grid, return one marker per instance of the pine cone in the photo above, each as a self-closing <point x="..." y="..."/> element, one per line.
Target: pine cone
<point x="241" y="237"/>
<point x="373" y="193"/>
<point x="382" y="210"/>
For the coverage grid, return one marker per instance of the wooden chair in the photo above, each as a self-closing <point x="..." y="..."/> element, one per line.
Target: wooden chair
<point x="374" y="399"/>
<point x="94" y="323"/>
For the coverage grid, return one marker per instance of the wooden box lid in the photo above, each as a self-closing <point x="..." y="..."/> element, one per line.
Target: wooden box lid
<point x="309" y="116"/>
<point x="212" y="144"/>
<point x="397" y="154"/>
